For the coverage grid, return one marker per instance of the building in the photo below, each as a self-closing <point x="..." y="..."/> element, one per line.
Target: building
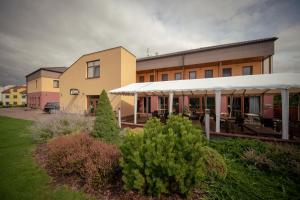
<point x="1" y="90"/>
<point x="83" y="81"/>
<point x="242" y="58"/>
<point x="43" y="86"/>
<point x="14" y="96"/>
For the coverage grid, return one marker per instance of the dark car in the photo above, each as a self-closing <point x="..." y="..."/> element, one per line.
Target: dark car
<point x="50" y="107"/>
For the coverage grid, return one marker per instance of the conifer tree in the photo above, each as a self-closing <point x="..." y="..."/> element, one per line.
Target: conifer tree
<point x="105" y="126"/>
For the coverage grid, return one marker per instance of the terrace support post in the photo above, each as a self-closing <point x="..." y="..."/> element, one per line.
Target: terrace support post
<point x="231" y="102"/>
<point x="218" y="109"/>
<point x="285" y="113"/>
<point x="135" y="108"/>
<point x="171" y="95"/>
<point x="119" y="117"/>
<point x="207" y="128"/>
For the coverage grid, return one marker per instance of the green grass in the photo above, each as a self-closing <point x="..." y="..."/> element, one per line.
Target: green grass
<point x="20" y="176"/>
<point x="246" y="181"/>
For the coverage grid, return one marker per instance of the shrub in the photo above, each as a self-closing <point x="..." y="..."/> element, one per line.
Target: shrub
<point x="168" y="158"/>
<point x="90" y="161"/>
<point x="61" y="124"/>
<point x="105" y="126"/>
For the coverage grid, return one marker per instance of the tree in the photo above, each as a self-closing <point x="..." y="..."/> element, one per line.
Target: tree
<point x="105" y="126"/>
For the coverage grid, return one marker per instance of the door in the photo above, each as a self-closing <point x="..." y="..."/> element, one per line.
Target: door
<point x="92" y="102"/>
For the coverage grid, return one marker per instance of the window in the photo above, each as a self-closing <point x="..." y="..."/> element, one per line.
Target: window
<point x="226" y="72"/>
<point x="247" y="70"/>
<point x="7" y="96"/>
<point x="15" y="89"/>
<point x="93" y="69"/>
<point x="141" y="79"/>
<point x="56" y="83"/>
<point x="15" y="96"/>
<point x="151" y="78"/>
<point x="15" y="103"/>
<point x="164" y="77"/>
<point x="192" y="75"/>
<point x="35" y="83"/>
<point x="178" y="76"/>
<point x="23" y="96"/>
<point x="209" y="73"/>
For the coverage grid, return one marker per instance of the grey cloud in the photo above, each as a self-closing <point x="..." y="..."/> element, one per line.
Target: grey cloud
<point x="35" y="33"/>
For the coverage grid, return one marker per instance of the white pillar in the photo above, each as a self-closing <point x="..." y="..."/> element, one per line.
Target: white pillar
<point x="218" y="109"/>
<point x="285" y="113"/>
<point x="171" y="95"/>
<point x="135" y="107"/>
<point x="119" y="117"/>
<point x="207" y="128"/>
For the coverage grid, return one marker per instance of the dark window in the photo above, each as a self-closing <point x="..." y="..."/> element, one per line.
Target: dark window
<point x="7" y="96"/>
<point x="164" y="77"/>
<point x="7" y="103"/>
<point x="56" y="83"/>
<point x="247" y="70"/>
<point x="209" y="73"/>
<point x="210" y="103"/>
<point x="151" y="78"/>
<point x="178" y="76"/>
<point x="192" y="75"/>
<point x="15" y="103"/>
<point x="23" y="96"/>
<point x="141" y="79"/>
<point x="93" y="69"/>
<point x="226" y="72"/>
<point x="15" y="96"/>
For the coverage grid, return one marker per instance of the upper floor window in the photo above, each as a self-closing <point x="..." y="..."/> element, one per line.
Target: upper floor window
<point x="192" y="75"/>
<point x="141" y="79"/>
<point x="164" y="77"/>
<point x="178" y="76"/>
<point x="247" y="70"/>
<point x="209" y="73"/>
<point x="152" y="78"/>
<point x="7" y="96"/>
<point x="56" y="83"/>
<point x="226" y="72"/>
<point x="23" y="96"/>
<point x="93" y="69"/>
<point x="15" y="103"/>
<point x="15" y="96"/>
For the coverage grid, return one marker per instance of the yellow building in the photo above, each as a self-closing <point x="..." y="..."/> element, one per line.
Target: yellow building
<point x="43" y="86"/>
<point x="15" y="96"/>
<point x="82" y="83"/>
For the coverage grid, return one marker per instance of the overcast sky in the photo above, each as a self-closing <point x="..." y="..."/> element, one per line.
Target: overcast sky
<point x="39" y="33"/>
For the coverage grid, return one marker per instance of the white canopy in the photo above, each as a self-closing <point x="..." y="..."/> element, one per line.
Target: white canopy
<point x="247" y="85"/>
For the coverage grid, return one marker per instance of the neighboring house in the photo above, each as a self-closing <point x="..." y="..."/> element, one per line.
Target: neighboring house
<point x="2" y="89"/>
<point x="15" y="96"/>
<point x="236" y="59"/>
<point x="82" y="83"/>
<point x="43" y="86"/>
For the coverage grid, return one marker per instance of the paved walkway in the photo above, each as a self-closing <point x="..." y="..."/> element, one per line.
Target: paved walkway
<point x="24" y="113"/>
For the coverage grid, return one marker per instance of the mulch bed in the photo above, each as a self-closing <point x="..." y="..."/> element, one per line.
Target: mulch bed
<point x="111" y="191"/>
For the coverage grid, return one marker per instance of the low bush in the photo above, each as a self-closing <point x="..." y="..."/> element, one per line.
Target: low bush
<point x="171" y="158"/>
<point x="88" y="160"/>
<point x="61" y="124"/>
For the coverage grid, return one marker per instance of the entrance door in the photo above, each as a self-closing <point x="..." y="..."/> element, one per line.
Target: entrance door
<point x="92" y="102"/>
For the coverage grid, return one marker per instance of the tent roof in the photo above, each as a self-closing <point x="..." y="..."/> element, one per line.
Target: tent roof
<point x="250" y="84"/>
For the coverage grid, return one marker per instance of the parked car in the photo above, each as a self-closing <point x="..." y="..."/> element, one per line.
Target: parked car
<point x="51" y="107"/>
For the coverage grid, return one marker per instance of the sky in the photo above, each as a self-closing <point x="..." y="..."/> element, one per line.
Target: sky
<point x="53" y="33"/>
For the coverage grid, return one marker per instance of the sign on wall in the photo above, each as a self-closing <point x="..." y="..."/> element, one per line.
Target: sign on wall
<point x="74" y="91"/>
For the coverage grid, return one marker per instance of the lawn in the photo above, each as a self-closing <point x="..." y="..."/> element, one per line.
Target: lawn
<point x="20" y="176"/>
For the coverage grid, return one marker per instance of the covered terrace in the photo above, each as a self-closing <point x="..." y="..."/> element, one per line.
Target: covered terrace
<point x="263" y="84"/>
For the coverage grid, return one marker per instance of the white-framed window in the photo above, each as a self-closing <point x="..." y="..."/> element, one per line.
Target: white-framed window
<point x="93" y="69"/>
<point x="56" y="83"/>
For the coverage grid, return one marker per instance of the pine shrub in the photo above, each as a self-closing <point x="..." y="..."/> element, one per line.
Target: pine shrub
<point x="171" y="158"/>
<point x="90" y="161"/>
<point x="105" y="126"/>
